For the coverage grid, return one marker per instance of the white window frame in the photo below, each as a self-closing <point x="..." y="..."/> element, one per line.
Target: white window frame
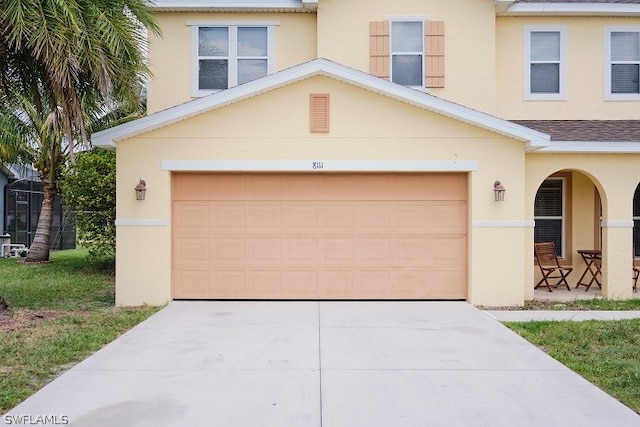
<point x="233" y="28"/>
<point x="422" y="55"/>
<point x="562" y="218"/>
<point x="608" y="96"/>
<point x="562" y="93"/>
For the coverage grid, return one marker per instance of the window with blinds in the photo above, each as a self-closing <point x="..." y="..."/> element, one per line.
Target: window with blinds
<point x="545" y="63"/>
<point x="622" y="63"/>
<point x="549" y="214"/>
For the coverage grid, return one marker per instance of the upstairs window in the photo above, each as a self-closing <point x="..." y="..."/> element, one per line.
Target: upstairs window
<point x="228" y="56"/>
<point x="407" y="49"/>
<point x="545" y="63"/>
<point x="409" y="52"/>
<point x="623" y="68"/>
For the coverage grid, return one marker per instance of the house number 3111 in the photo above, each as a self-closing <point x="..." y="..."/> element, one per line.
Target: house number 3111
<point x="317" y="165"/>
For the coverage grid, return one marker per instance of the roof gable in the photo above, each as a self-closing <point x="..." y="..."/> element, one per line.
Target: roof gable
<point x="320" y="67"/>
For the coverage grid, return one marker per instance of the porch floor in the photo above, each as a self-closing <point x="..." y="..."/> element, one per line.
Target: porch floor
<point x="562" y="294"/>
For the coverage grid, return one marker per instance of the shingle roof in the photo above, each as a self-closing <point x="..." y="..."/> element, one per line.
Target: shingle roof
<point x="586" y="130"/>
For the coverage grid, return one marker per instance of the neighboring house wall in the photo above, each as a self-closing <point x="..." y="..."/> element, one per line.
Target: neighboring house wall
<point x="585" y="62"/>
<point x="294" y="41"/>
<point x="470" y="77"/>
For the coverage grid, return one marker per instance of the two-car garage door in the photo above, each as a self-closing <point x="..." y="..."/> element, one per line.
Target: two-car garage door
<point x="319" y="236"/>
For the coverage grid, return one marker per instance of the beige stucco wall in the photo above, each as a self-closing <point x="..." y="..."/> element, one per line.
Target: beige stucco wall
<point x="364" y="126"/>
<point x="615" y="176"/>
<point x="170" y="54"/>
<point x="585" y="72"/>
<point x="343" y="37"/>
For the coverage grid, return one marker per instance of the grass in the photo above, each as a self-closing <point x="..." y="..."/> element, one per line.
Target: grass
<point x="607" y="353"/>
<point x="587" y="304"/>
<point x="60" y="313"/>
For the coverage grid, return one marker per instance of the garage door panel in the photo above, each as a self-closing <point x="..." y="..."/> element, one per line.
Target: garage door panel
<point x="301" y="217"/>
<point x="333" y="236"/>
<point x="228" y="187"/>
<point x="194" y="283"/>
<point x="370" y="217"/>
<point x="337" y="187"/>
<point x="447" y="217"/>
<point x="192" y="216"/>
<point x="338" y="250"/>
<point x="229" y="250"/>
<point x="409" y="251"/>
<point x="374" y="283"/>
<point x="374" y="250"/>
<point x="191" y="250"/>
<point x="337" y="217"/>
<point x="265" y="283"/>
<point x="303" y="250"/>
<point x="229" y="283"/>
<point x="228" y="216"/>
<point x="265" y="250"/>
<point x="265" y="217"/>
<point x="447" y="284"/>
<point x="264" y="187"/>
<point x="338" y="284"/>
<point x="302" y="284"/>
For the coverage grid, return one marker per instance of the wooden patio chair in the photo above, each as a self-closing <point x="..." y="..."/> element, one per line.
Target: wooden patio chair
<point x="636" y="273"/>
<point x="550" y="266"/>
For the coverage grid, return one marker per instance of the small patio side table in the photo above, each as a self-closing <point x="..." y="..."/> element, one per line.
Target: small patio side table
<point x="593" y="260"/>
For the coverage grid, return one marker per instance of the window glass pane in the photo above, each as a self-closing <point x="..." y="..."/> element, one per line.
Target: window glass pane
<point x="545" y="78"/>
<point x="549" y="230"/>
<point x="252" y="41"/>
<point x="406" y="37"/>
<point x="548" y="200"/>
<point x="545" y="46"/>
<point x="407" y="69"/>
<point x="251" y="69"/>
<point x="213" y="41"/>
<point x="625" y="46"/>
<point x="636" y="202"/>
<point x="636" y="238"/>
<point x="624" y="78"/>
<point x="213" y="74"/>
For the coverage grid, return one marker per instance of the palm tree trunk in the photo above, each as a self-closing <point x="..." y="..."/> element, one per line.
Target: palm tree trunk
<point x="39" y="250"/>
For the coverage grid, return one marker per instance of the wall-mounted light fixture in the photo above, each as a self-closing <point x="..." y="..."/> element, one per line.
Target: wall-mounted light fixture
<point x="141" y="189"/>
<point x="498" y="191"/>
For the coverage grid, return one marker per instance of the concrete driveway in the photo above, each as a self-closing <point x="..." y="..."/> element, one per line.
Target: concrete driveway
<point x="321" y="364"/>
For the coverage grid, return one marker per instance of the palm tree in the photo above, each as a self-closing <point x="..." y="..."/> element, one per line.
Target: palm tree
<point x="63" y="63"/>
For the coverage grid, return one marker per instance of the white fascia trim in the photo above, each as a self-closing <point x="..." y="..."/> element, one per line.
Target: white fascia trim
<point x="223" y="5"/>
<point x="617" y="224"/>
<point x="322" y="67"/>
<point x="563" y="9"/>
<point x="622" y="147"/>
<point x="124" y="222"/>
<point x="310" y="4"/>
<point x="502" y="5"/>
<point x="319" y="166"/>
<point x="503" y="224"/>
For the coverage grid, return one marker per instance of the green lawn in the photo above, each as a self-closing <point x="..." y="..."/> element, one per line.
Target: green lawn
<point x="60" y="313"/>
<point x="607" y="353"/>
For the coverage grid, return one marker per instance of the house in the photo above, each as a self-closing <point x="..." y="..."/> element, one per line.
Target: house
<point x="322" y="149"/>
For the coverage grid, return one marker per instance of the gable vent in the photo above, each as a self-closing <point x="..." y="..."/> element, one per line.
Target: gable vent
<point x="320" y="112"/>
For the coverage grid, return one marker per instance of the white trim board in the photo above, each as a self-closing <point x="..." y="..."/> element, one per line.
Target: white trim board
<point x="616" y="224"/>
<point x="127" y="222"/>
<point x="319" y="165"/>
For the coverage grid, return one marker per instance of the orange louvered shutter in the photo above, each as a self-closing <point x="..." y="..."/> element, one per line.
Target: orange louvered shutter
<point x="434" y="53"/>
<point x="379" y="49"/>
<point x="320" y="112"/>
